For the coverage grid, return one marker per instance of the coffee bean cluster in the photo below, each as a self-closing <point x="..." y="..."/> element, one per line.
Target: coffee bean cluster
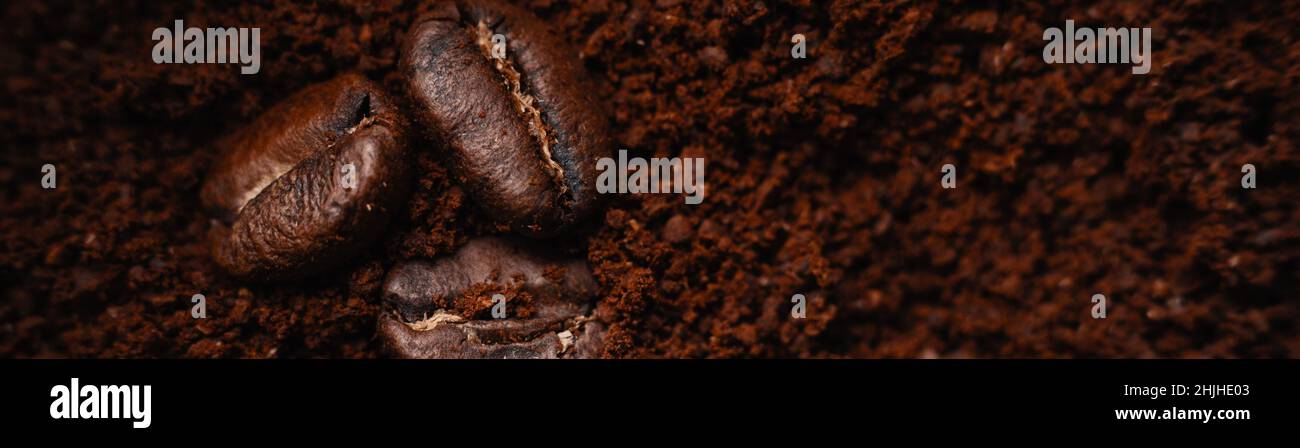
<point x="314" y="180"/>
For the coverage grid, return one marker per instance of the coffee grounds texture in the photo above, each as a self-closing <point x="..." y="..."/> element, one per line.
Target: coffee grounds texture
<point x="822" y="179"/>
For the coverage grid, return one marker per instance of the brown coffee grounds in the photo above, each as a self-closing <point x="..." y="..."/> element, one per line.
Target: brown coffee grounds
<point x="822" y="179"/>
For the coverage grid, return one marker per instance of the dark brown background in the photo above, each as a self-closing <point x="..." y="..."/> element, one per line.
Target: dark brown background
<point x="823" y="179"/>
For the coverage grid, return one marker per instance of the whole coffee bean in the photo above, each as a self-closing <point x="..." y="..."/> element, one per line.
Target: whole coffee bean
<point x="309" y="183"/>
<point x="465" y="340"/>
<point x="416" y="288"/>
<point x="419" y="293"/>
<point x="524" y="130"/>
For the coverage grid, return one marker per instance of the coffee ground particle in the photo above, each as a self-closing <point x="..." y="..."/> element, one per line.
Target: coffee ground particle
<point x="822" y="179"/>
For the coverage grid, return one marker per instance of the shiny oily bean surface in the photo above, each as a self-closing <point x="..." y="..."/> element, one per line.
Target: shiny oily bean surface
<point x="309" y="183"/>
<point x="418" y="292"/>
<point x="524" y="131"/>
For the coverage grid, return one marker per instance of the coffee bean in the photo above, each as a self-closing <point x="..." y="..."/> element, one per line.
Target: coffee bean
<point x="465" y="340"/>
<point x="419" y="293"/>
<point x="309" y="183"/>
<point x="524" y="131"/>
<point x="416" y="288"/>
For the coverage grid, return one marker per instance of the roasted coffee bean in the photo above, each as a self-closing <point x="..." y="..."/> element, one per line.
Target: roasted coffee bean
<point x="524" y="131"/>
<point x="309" y="183"/>
<point x="419" y="294"/>
<point x="416" y="288"/>
<point x="460" y="339"/>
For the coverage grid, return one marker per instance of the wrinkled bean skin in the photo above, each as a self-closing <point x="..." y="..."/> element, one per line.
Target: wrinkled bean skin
<point x="277" y="186"/>
<point x="417" y="290"/>
<point x="465" y="341"/>
<point x="526" y="153"/>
